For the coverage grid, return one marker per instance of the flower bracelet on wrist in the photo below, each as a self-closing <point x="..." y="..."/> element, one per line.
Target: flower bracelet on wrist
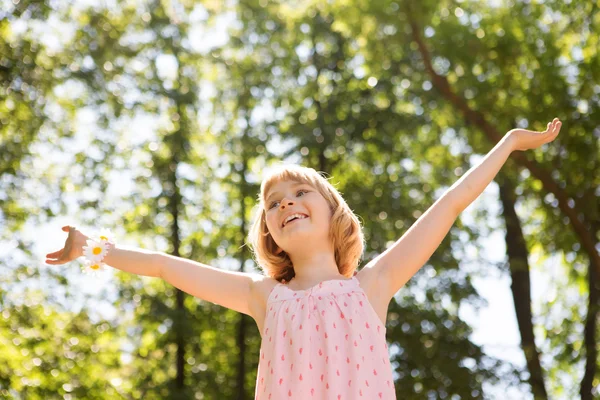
<point x="95" y="252"/>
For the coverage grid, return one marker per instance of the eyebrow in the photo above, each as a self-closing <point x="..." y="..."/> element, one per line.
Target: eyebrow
<point x="294" y="185"/>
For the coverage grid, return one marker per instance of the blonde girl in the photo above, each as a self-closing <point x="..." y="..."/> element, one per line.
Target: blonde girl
<point x="322" y="321"/>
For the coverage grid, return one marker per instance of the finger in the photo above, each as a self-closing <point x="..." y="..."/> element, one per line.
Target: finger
<point x="555" y="124"/>
<point x="554" y="133"/>
<point x="56" y="254"/>
<point x="55" y="262"/>
<point x="558" y="126"/>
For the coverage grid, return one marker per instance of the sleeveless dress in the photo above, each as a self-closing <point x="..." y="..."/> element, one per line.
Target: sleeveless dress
<point x="325" y="342"/>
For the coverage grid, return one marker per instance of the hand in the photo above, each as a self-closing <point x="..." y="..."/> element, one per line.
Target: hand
<point x="523" y="139"/>
<point x="73" y="247"/>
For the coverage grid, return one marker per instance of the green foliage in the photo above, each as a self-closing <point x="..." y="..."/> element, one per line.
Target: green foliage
<point x="49" y="352"/>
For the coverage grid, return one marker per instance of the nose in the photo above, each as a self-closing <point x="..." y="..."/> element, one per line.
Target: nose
<point x="284" y="202"/>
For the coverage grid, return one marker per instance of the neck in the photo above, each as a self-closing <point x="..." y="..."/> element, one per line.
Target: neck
<point x="315" y="267"/>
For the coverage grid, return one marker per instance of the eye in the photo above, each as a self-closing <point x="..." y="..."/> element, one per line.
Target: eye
<point x="301" y="190"/>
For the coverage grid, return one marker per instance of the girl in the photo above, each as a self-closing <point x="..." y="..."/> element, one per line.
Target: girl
<point x="322" y="323"/>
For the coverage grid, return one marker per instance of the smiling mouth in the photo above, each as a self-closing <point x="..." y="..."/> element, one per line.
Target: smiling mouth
<point x="294" y="220"/>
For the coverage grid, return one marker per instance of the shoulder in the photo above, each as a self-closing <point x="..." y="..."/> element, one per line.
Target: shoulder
<point x="261" y="288"/>
<point x="367" y="279"/>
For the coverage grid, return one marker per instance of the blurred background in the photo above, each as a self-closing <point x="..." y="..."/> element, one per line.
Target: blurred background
<point x="157" y="120"/>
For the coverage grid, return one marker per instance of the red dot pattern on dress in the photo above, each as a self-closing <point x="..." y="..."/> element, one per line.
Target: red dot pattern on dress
<point x="336" y="345"/>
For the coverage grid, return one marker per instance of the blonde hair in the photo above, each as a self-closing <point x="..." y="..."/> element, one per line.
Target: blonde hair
<point x="345" y="229"/>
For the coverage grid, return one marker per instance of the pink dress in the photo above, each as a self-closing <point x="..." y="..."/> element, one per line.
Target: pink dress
<point x="325" y="342"/>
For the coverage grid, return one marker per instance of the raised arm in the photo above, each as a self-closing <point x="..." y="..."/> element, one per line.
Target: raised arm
<point x="395" y="266"/>
<point x="234" y="290"/>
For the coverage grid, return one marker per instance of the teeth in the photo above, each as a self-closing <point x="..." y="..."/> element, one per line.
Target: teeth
<point x="300" y="216"/>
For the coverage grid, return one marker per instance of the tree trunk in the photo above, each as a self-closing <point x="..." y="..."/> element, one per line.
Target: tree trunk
<point x="242" y="327"/>
<point x="521" y="287"/>
<point x="174" y="204"/>
<point x="589" y="333"/>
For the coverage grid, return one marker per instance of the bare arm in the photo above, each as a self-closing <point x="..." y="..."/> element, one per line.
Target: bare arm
<point x="231" y="289"/>
<point x="396" y="265"/>
<point x="407" y="255"/>
<point x="470" y="186"/>
<point x="234" y="290"/>
<point x="474" y="182"/>
<point x="134" y="260"/>
<point x="226" y="288"/>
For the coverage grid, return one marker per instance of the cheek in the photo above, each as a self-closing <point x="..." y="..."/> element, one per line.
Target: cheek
<point x="324" y="212"/>
<point x="271" y="223"/>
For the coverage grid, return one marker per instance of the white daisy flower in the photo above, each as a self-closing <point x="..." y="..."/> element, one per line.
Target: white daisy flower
<point x="95" y="250"/>
<point x="93" y="269"/>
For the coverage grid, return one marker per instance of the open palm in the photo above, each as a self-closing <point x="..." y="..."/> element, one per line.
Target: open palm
<point x="71" y="250"/>
<point x="524" y="139"/>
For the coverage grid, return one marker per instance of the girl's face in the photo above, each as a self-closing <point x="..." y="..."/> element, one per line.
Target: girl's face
<point x="290" y="197"/>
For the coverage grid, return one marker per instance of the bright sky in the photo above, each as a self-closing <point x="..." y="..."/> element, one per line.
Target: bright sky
<point x="495" y="326"/>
